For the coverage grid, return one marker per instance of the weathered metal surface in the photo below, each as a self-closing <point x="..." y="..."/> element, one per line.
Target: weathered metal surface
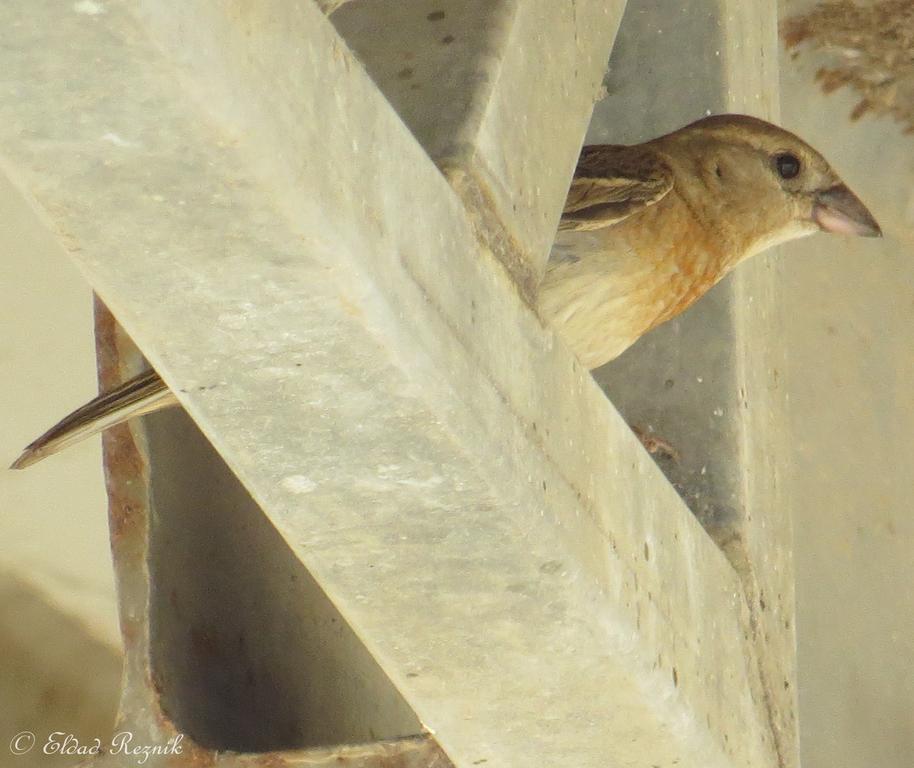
<point x="710" y="381"/>
<point x="319" y="301"/>
<point x="187" y="681"/>
<point x="497" y="92"/>
<point x="248" y="653"/>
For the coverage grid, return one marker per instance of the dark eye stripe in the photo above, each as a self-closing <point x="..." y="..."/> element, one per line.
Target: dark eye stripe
<point x="788" y="165"/>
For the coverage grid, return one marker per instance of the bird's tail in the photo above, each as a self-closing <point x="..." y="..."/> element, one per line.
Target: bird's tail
<point x="142" y="394"/>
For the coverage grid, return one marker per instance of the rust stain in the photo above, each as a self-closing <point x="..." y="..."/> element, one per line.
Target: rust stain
<point x="124" y="463"/>
<point x="192" y="755"/>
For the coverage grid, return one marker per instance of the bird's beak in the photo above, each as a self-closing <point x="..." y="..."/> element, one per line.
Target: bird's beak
<point x="839" y="210"/>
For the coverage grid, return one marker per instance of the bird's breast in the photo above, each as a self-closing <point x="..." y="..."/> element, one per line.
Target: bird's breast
<point x="605" y="288"/>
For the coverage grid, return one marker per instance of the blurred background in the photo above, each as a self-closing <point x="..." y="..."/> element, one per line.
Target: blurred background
<point x="59" y="640"/>
<point x="850" y="379"/>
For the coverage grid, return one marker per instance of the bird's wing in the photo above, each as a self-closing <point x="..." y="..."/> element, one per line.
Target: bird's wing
<point x="142" y="394"/>
<point x="613" y="182"/>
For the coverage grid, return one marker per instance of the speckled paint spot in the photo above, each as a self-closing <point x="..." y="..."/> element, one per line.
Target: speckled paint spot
<point x="89" y="7"/>
<point x="298" y="484"/>
<point x="113" y="138"/>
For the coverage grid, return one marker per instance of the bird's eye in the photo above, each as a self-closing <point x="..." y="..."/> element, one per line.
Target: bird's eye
<point x="788" y="165"/>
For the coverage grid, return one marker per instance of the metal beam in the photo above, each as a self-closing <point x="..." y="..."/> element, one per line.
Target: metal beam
<point x="711" y="381"/>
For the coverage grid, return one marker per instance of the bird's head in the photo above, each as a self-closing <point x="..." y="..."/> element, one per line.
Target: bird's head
<point x="768" y="178"/>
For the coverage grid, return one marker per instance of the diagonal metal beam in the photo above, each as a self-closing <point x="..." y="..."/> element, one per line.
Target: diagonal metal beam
<point x="224" y="662"/>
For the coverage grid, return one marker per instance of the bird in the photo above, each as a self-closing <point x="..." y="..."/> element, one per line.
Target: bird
<point x="646" y="230"/>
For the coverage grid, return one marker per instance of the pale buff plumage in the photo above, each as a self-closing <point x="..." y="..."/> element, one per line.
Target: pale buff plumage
<point x="645" y="232"/>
